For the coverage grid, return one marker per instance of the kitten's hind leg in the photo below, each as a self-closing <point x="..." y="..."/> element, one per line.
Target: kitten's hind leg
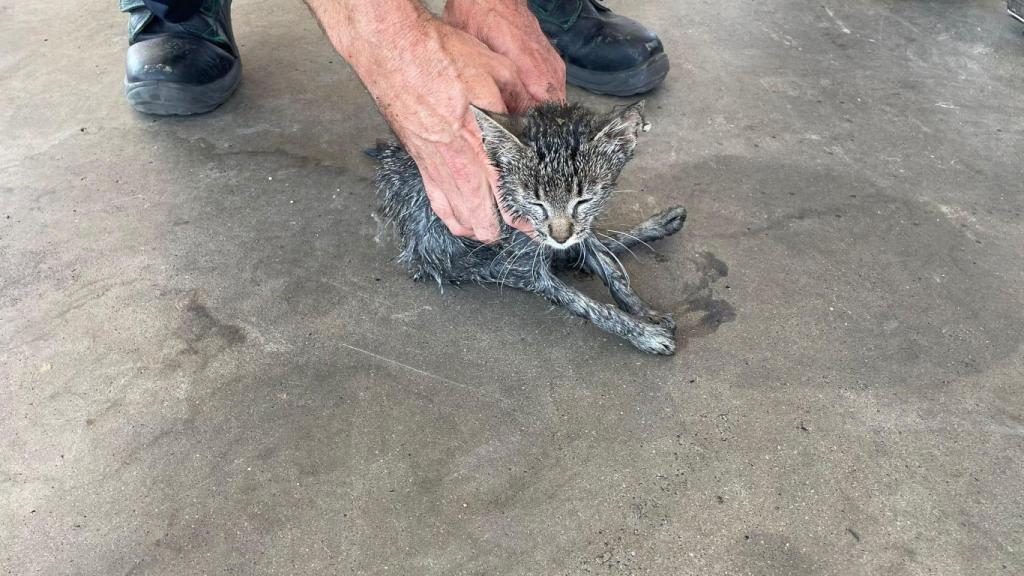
<point x="611" y="273"/>
<point x="651" y="338"/>
<point x="662" y="224"/>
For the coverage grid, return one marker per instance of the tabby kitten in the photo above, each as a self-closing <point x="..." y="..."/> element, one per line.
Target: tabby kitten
<point x="557" y="166"/>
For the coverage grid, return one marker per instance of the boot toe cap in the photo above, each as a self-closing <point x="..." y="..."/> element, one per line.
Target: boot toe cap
<point x="180" y="59"/>
<point x="621" y="44"/>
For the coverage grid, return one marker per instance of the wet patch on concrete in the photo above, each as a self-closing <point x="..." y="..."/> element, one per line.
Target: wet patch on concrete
<point x="702" y="312"/>
<point x="201" y="335"/>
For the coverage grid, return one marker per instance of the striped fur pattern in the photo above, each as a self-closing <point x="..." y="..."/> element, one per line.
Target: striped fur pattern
<point x="557" y="167"/>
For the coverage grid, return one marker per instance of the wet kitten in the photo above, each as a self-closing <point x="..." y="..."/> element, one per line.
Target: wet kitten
<point x="557" y="166"/>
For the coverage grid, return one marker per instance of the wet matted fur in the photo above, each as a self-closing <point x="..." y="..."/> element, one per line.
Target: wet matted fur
<point x="557" y="167"/>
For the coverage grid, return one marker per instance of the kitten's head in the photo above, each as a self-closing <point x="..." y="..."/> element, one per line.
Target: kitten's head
<point x="558" y="163"/>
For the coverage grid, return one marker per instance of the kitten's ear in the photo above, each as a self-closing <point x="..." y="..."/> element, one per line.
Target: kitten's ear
<point x="501" y="132"/>
<point x="622" y="129"/>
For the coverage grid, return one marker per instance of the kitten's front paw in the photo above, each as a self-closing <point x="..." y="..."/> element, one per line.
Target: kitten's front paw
<point x="671" y="220"/>
<point x="660" y="319"/>
<point x="656" y="339"/>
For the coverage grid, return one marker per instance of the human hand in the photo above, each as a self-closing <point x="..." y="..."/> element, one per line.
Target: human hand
<point x="510" y="29"/>
<point x="425" y="97"/>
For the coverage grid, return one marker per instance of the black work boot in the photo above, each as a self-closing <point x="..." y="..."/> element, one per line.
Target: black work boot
<point x="603" y="52"/>
<point x="180" y="68"/>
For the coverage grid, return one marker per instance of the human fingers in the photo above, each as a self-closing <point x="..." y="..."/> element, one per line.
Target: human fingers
<point x="542" y="72"/>
<point x="436" y="193"/>
<point x="514" y="93"/>
<point x="470" y="194"/>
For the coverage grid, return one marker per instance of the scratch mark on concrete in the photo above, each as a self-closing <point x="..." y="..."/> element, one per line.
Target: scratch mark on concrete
<point x="382" y="228"/>
<point x="406" y="366"/>
<point x="838" y="22"/>
<point x="474" y="390"/>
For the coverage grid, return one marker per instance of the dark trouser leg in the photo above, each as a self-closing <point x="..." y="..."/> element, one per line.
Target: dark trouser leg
<point x="174" y="10"/>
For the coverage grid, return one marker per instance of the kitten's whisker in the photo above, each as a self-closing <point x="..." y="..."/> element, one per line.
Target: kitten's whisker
<point x="530" y="235"/>
<point x="503" y="250"/>
<point x="579" y="259"/>
<point x="619" y="243"/>
<point x="512" y="261"/>
<point x="533" y="266"/>
<point x="628" y="235"/>
<point x="504" y="271"/>
<point x="511" y="246"/>
<point x="622" y="269"/>
<point x="506" y="248"/>
<point x="473" y="251"/>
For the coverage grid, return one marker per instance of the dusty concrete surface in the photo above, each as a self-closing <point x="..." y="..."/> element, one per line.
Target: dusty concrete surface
<point x="209" y="364"/>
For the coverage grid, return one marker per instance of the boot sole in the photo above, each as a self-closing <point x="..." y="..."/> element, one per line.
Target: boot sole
<point x="637" y="80"/>
<point x="163" y="98"/>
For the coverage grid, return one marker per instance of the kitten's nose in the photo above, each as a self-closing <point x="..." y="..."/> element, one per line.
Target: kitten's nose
<point x="560" y="230"/>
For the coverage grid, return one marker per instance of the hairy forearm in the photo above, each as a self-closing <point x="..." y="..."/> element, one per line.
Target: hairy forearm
<point x="424" y="73"/>
<point x="368" y="34"/>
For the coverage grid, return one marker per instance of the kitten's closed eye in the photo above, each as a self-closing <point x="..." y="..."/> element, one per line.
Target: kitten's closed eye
<point x="543" y="209"/>
<point x="580" y="202"/>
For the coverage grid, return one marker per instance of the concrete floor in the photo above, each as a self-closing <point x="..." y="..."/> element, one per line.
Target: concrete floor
<point x="209" y="363"/>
